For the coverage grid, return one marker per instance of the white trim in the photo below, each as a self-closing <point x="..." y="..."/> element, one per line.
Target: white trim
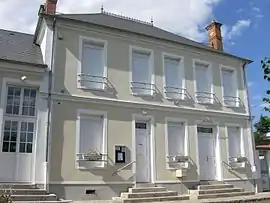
<point x="215" y="126"/>
<point x="209" y="75"/>
<point x="105" y="134"/>
<point x="242" y="144"/>
<point x="28" y="83"/>
<point x="185" y="124"/>
<point x="182" y="71"/>
<point x="235" y="81"/>
<point x="80" y="51"/>
<point x="162" y="107"/>
<point x="151" y="66"/>
<point x="152" y="163"/>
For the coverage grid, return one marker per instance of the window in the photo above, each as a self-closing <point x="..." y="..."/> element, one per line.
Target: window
<point x="229" y="88"/>
<point x="204" y="92"/>
<point x="141" y="68"/>
<point x="176" y="138"/>
<point x="173" y="73"/>
<point x="234" y="141"/>
<point x="91" y="138"/>
<point x="19" y="120"/>
<point x="93" y="73"/>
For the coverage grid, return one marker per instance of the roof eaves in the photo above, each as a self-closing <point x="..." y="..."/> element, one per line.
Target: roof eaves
<point x="25" y="63"/>
<point x="64" y="17"/>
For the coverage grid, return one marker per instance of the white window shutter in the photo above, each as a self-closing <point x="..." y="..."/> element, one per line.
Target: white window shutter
<point x="93" y="66"/>
<point x="91" y="136"/>
<point x="141" y="73"/>
<point x="173" y="78"/>
<point x="176" y="139"/>
<point x="203" y="83"/>
<point x="229" y="88"/>
<point x="234" y="141"/>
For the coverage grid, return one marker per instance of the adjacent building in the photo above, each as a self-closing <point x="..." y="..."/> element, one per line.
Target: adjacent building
<point x="108" y="102"/>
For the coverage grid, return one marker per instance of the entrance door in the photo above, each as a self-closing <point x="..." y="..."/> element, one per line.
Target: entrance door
<point x="18" y="135"/>
<point x="142" y="152"/>
<point x="207" y="153"/>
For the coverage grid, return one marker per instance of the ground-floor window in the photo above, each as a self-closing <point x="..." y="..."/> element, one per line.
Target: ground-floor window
<point x="91" y="139"/>
<point x="234" y="141"/>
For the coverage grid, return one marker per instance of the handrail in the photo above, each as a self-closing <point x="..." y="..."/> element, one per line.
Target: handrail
<point x="122" y="168"/>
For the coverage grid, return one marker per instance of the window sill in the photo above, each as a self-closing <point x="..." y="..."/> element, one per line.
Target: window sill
<point x="142" y="95"/>
<point x="205" y="103"/>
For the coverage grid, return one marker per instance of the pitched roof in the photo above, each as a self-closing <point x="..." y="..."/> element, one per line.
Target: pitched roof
<point x="138" y="27"/>
<point x="19" y="47"/>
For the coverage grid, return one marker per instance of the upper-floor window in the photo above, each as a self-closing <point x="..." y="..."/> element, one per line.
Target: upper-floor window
<point x="142" y="79"/>
<point x="229" y="86"/>
<point x="93" y="64"/>
<point x="174" y="78"/>
<point x="203" y="76"/>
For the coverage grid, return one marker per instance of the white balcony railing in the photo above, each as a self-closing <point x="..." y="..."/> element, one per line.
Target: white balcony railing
<point x="205" y="97"/>
<point x="92" y="81"/>
<point x="143" y="88"/>
<point x="231" y="101"/>
<point x="175" y="93"/>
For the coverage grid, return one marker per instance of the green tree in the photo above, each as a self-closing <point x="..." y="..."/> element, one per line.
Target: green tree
<point x="266" y="69"/>
<point x="262" y="127"/>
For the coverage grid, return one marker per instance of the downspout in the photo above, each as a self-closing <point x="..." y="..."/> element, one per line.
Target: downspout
<point x="250" y="123"/>
<point x="49" y="103"/>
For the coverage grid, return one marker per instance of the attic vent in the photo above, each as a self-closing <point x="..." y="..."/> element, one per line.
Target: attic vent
<point x="128" y="18"/>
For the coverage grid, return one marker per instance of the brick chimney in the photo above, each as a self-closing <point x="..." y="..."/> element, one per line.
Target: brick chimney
<point x="214" y="35"/>
<point x="50" y="6"/>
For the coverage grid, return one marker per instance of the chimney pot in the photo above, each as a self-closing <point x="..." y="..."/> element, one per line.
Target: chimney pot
<point x="214" y="35"/>
<point x="50" y="7"/>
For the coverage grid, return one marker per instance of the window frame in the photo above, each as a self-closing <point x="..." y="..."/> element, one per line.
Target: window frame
<point x="185" y="125"/>
<point x="85" y="39"/>
<point x="151" y="68"/>
<point x="19" y="118"/>
<point x="90" y="112"/>
<point x="182" y="71"/>
<point x="236" y="86"/>
<point x="242" y="142"/>
<point x="210" y="77"/>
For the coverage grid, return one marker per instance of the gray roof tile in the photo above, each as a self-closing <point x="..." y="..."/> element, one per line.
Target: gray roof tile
<point x="19" y="47"/>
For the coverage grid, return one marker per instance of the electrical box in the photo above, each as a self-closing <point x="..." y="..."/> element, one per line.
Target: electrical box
<point x="120" y="154"/>
<point x="179" y="173"/>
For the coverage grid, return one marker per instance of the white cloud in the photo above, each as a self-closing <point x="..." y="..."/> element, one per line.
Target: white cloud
<point x="230" y="32"/>
<point x="186" y="17"/>
<point x="265" y="105"/>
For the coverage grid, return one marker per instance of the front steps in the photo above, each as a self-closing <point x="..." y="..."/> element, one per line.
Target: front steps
<point x="149" y="194"/>
<point x="218" y="191"/>
<point x="28" y="193"/>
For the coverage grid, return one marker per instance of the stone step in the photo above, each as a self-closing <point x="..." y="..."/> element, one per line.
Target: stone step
<point x="50" y="197"/>
<point x="217" y="186"/>
<point x="147" y="189"/>
<point x="218" y="191"/>
<point x="149" y="194"/>
<point x="153" y="199"/>
<point x="24" y="191"/>
<point x="221" y="195"/>
<point x="17" y="186"/>
<point x="60" y="201"/>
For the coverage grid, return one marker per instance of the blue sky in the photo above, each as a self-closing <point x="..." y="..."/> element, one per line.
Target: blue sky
<point x="246" y="25"/>
<point x="253" y="43"/>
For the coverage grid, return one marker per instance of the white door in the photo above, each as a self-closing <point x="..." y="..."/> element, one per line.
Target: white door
<point x="18" y="135"/>
<point x="142" y="152"/>
<point x="207" y="153"/>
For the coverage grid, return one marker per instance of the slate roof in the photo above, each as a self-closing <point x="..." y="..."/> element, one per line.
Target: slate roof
<point x="19" y="47"/>
<point x="126" y="24"/>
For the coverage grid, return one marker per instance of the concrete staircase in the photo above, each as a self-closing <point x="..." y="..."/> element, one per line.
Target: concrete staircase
<point x="219" y="190"/>
<point x="149" y="194"/>
<point x="28" y="193"/>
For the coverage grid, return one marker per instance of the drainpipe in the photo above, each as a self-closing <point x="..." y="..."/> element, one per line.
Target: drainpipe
<point x="250" y="122"/>
<point x="49" y="106"/>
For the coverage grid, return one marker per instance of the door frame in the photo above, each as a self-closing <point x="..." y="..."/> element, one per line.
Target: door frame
<point x="152" y="163"/>
<point x="31" y="84"/>
<point x="216" y="135"/>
